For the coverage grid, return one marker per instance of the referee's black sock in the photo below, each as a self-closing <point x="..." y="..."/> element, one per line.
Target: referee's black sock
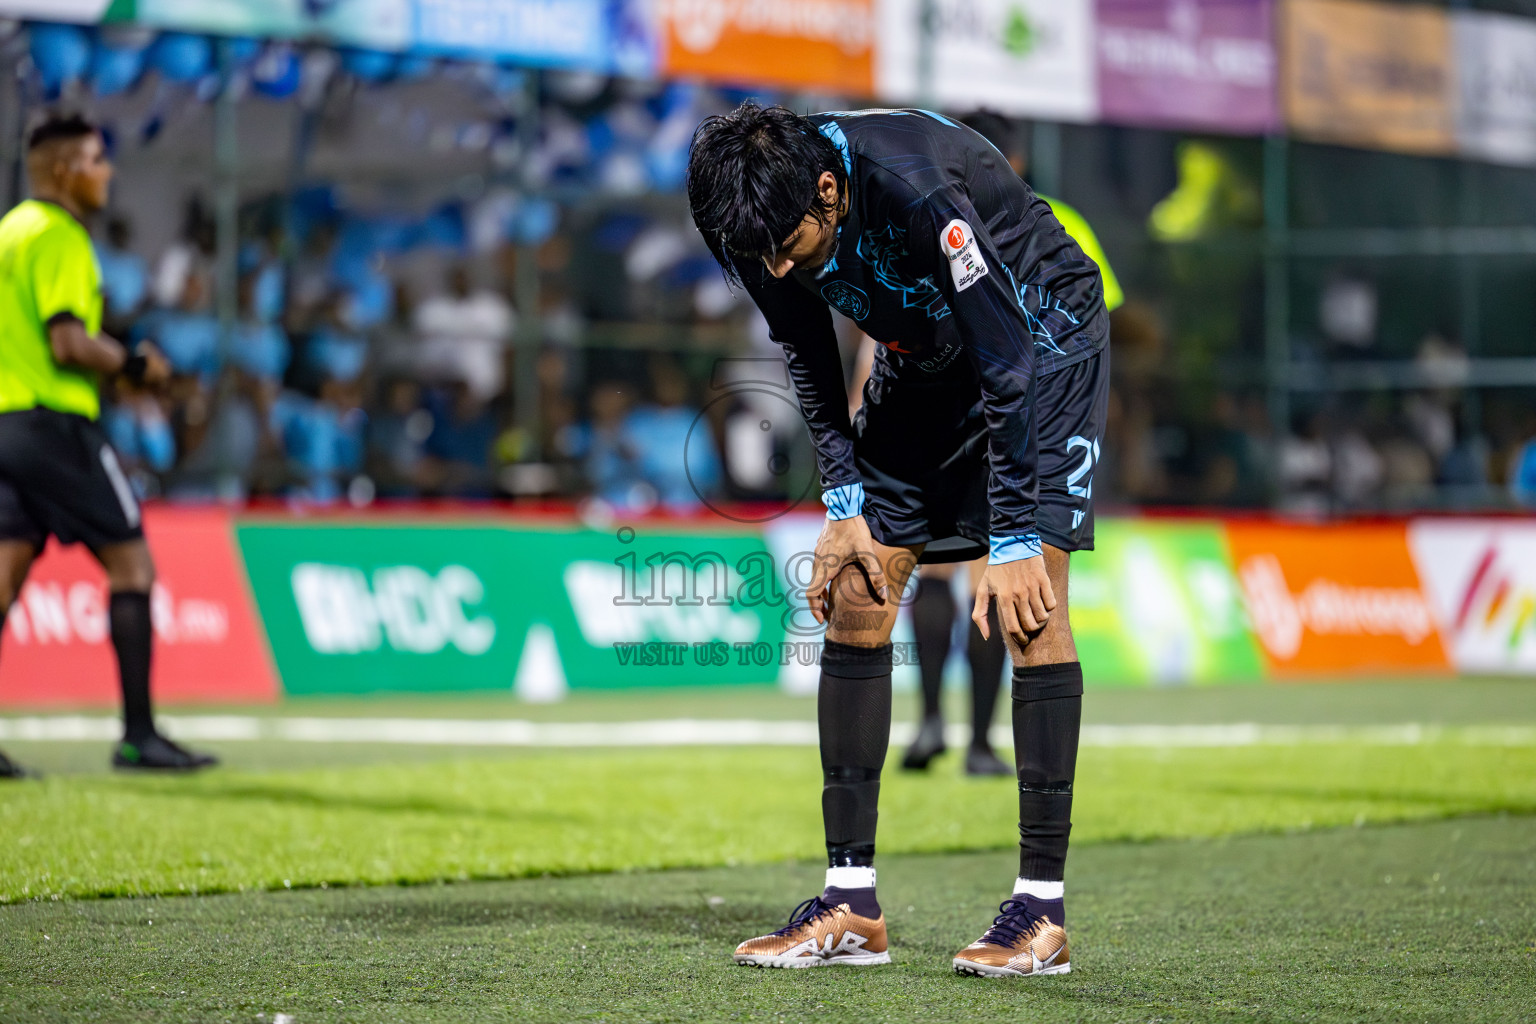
<point x="933" y="623"/>
<point x="1047" y="717"/>
<point x="986" y="658"/>
<point x="133" y="639"/>
<point x="853" y="712"/>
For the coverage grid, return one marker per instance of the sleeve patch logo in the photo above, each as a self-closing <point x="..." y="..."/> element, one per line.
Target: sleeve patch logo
<point x="965" y="261"/>
<point x="847" y="299"/>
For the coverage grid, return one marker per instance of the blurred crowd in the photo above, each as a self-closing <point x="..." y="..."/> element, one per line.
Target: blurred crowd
<point x="341" y="381"/>
<point x="1363" y="450"/>
<point x="377" y="361"/>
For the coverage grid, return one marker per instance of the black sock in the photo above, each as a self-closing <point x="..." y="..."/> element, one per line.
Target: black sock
<point x="933" y="623"/>
<point x="1047" y="717"/>
<point x="133" y="638"/>
<point x="860" y="901"/>
<point x="986" y="658"/>
<point x="1055" y="910"/>
<point x="853" y="712"/>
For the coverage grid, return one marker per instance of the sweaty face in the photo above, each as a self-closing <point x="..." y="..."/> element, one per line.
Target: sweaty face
<point x="807" y="248"/>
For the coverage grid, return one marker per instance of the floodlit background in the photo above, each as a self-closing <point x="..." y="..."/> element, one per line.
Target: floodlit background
<point x="462" y="406"/>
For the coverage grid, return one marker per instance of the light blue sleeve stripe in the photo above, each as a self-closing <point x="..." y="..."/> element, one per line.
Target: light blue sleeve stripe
<point x="1013" y="549"/>
<point x="844" y="502"/>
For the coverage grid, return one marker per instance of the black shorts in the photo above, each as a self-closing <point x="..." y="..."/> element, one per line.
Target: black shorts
<point x="59" y="476"/>
<point x="922" y="455"/>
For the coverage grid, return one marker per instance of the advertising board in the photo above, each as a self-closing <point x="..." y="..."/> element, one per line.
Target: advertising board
<point x="1369" y="74"/>
<point x="1188" y="63"/>
<point x="1496" y="69"/>
<point x="1480" y="575"/>
<point x="1340" y="598"/>
<point x="360" y="607"/>
<point x="1157" y="603"/>
<point x="1032" y="58"/>
<point x="810" y="44"/>
<point x="209" y="645"/>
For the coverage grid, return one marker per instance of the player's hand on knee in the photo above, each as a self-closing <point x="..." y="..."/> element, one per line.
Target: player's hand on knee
<point x="842" y="541"/>
<point x="1022" y="591"/>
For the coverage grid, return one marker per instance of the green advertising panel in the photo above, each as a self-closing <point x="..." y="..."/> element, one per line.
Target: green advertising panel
<point x="1157" y="602"/>
<point x="363" y="607"/>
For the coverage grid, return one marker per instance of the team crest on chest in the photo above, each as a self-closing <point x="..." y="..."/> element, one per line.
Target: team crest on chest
<point x="847" y="299"/>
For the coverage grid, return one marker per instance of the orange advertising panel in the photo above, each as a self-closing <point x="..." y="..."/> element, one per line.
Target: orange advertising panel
<point x="1335" y="598"/>
<point x="1369" y="74"/>
<point x="815" y="44"/>
<point x="208" y="644"/>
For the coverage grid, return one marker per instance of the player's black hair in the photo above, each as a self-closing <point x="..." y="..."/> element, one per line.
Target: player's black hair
<point x="752" y="178"/>
<point x="60" y="126"/>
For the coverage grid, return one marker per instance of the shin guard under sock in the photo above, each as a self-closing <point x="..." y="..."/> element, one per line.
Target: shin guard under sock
<point x="133" y="639"/>
<point x="986" y="658"/>
<point x="1047" y="717"/>
<point x="933" y="623"/>
<point x="853" y="712"/>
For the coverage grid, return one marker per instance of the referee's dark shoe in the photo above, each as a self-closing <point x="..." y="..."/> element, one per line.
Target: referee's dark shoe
<point x="156" y="753"/>
<point x="11" y="770"/>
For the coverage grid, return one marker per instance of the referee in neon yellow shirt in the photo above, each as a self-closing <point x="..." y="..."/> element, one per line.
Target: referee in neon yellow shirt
<point x="58" y="474"/>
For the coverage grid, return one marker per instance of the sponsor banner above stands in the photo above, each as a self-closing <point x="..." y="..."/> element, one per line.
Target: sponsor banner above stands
<point x="377" y="24"/>
<point x="359" y="607"/>
<point x="1326" y="599"/>
<point x="1188" y="63"/>
<point x="1157" y="603"/>
<point x="1032" y="58"/>
<point x="209" y="647"/>
<point x="1369" y="74"/>
<point x="601" y="35"/>
<point x="804" y="44"/>
<point x="80" y="12"/>
<point x="1480" y="575"/>
<point x="1496" y="61"/>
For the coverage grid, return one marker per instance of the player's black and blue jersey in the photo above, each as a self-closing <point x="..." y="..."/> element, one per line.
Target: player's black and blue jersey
<point x="948" y="260"/>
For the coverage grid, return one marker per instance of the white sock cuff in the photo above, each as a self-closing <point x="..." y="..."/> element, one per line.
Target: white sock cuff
<point x="851" y="878"/>
<point x="1039" y="890"/>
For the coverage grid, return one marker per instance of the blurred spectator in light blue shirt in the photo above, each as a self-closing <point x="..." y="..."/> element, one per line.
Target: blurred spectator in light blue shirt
<point x="124" y="274"/>
<point x="601" y="446"/>
<point x="138" y="428"/>
<point x="323" y="439"/>
<point x="187" y="334"/>
<point x="674" y="446"/>
<point x="260" y="346"/>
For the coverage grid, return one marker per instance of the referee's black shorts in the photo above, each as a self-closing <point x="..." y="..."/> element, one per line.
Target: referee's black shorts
<point x="59" y="476"/>
<point x="921" y="448"/>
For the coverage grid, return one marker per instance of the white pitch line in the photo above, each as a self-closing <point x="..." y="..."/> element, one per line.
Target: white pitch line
<point x="691" y="732"/>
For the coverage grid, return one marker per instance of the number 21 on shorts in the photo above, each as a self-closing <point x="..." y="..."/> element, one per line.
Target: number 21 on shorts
<point x="1080" y="480"/>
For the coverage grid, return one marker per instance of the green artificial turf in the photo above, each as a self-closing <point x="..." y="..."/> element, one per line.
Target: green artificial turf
<point x="1426" y="922"/>
<point x="529" y="813"/>
<point x="1327" y="700"/>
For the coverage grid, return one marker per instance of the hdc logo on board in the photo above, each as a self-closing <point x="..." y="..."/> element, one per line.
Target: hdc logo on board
<point x="343" y="611"/>
<point x="1481" y="577"/>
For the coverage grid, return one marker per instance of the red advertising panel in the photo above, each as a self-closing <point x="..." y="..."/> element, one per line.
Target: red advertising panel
<point x="1335" y="598"/>
<point x="209" y="644"/>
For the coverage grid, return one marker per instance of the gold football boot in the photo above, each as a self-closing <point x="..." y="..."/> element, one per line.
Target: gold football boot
<point x="819" y="934"/>
<point x="1018" y="945"/>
